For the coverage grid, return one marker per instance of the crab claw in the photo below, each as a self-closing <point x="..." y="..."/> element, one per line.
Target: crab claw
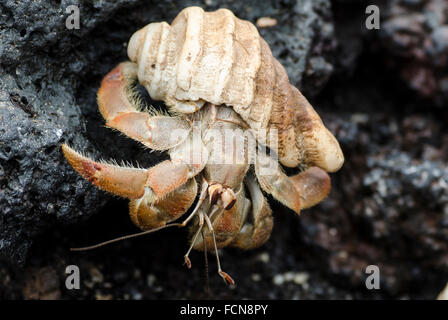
<point x="150" y="212"/>
<point x="313" y="185"/>
<point x="122" y="181"/>
<point x="297" y="192"/>
<point x="130" y="182"/>
<point x="155" y="200"/>
<point x="303" y="190"/>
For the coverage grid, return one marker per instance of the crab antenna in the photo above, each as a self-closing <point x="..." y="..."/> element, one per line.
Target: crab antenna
<point x="202" y="196"/>
<point x="207" y="285"/>
<point x="201" y="224"/>
<point x="134" y="235"/>
<point x="182" y="224"/>
<point x="186" y="258"/>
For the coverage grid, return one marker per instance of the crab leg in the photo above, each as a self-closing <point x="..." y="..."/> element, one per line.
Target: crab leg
<point x="122" y="181"/>
<point x="301" y="191"/>
<point x="227" y="278"/>
<point x="129" y="182"/>
<point x="258" y="226"/>
<point x="195" y="237"/>
<point x="211" y="231"/>
<point x="121" y="110"/>
<point x="202" y="196"/>
<point x="158" y="195"/>
<point x="152" y="216"/>
<point x="149" y="213"/>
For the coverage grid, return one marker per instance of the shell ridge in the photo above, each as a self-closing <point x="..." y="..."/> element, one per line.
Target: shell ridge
<point x="158" y="75"/>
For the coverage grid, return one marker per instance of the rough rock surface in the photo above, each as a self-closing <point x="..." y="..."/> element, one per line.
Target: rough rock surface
<point x="415" y="34"/>
<point x="388" y="205"/>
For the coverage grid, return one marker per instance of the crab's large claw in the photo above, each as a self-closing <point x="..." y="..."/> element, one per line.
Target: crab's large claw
<point x="149" y="212"/>
<point x="301" y="191"/>
<point x="158" y="195"/>
<point x="122" y="181"/>
<point x="313" y="185"/>
<point x="128" y="182"/>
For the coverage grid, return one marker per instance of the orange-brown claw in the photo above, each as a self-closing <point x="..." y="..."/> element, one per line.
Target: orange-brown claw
<point x="167" y="176"/>
<point x="122" y="112"/>
<point x="150" y="212"/>
<point x="313" y="185"/>
<point x="113" y="96"/>
<point x="297" y="192"/>
<point x="275" y="182"/>
<point x="130" y="182"/>
<point x="122" y="181"/>
<point x="158" y="195"/>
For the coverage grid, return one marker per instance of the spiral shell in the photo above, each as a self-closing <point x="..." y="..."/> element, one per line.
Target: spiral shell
<point x="217" y="58"/>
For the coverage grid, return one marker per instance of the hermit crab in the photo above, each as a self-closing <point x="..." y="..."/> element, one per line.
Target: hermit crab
<point x="233" y="119"/>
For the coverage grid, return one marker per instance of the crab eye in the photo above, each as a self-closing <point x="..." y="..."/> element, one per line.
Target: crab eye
<point x="228" y="199"/>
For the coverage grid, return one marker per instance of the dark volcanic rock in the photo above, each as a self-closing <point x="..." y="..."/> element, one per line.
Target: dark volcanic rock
<point x="416" y="35"/>
<point x="388" y="206"/>
<point x="37" y="188"/>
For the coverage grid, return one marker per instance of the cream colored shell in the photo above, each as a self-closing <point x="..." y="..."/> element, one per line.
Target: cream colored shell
<point x="217" y="58"/>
